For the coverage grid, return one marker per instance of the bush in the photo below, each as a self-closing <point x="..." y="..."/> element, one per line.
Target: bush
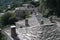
<point x="8" y="19"/>
<point x="48" y="13"/>
<point x="36" y="4"/>
<point x="2" y="37"/>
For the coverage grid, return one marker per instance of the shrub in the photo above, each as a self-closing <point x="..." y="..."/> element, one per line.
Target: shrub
<point x="8" y="18"/>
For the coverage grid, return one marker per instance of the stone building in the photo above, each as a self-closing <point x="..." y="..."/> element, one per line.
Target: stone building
<point x="39" y="28"/>
<point x="36" y="30"/>
<point x="21" y="11"/>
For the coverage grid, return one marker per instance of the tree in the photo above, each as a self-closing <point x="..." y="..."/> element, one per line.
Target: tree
<point x="8" y="18"/>
<point x="54" y="5"/>
<point x="36" y="4"/>
<point x="27" y="1"/>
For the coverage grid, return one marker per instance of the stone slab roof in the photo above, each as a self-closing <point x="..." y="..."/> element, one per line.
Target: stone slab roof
<point x="32" y="21"/>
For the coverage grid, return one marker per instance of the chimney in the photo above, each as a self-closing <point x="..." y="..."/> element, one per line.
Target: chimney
<point x="26" y="22"/>
<point x="42" y="22"/>
<point x="51" y="19"/>
<point x="13" y="31"/>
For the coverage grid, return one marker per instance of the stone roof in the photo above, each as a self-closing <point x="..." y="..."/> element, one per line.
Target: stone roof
<point x="22" y="32"/>
<point x="26" y="5"/>
<point x="24" y="8"/>
<point x="35" y="31"/>
<point x="32" y="21"/>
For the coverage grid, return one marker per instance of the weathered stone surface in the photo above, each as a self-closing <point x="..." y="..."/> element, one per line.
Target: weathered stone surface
<point x="26" y="23"/>
<point x="49" y="32"/>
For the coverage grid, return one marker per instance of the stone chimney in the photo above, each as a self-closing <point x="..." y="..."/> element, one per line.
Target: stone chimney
<point x="26" y="22"/>
<point x="13" y="31"/>
<point x="51" y="19"/>
<point x="42" y="22"/>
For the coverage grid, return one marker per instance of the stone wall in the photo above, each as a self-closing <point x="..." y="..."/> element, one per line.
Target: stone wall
<point x="43" y="32"/>
<point x="49" y="32"/>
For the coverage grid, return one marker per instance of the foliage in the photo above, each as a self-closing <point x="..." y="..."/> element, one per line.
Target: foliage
<point x="8" y="18"/>
<point x="13" y="3"/>
<point x="2" y="37"/>
<point x="36" y="4"/>
<point x="27" y="15"/>
<point x="25" y="1"/>
<point x="48" y="12"/>
<point x="51" y="4"/>
<point x="54" y="5"/>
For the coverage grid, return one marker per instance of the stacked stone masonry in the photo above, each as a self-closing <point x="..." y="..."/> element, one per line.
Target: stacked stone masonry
<point x="44" y="32"/>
